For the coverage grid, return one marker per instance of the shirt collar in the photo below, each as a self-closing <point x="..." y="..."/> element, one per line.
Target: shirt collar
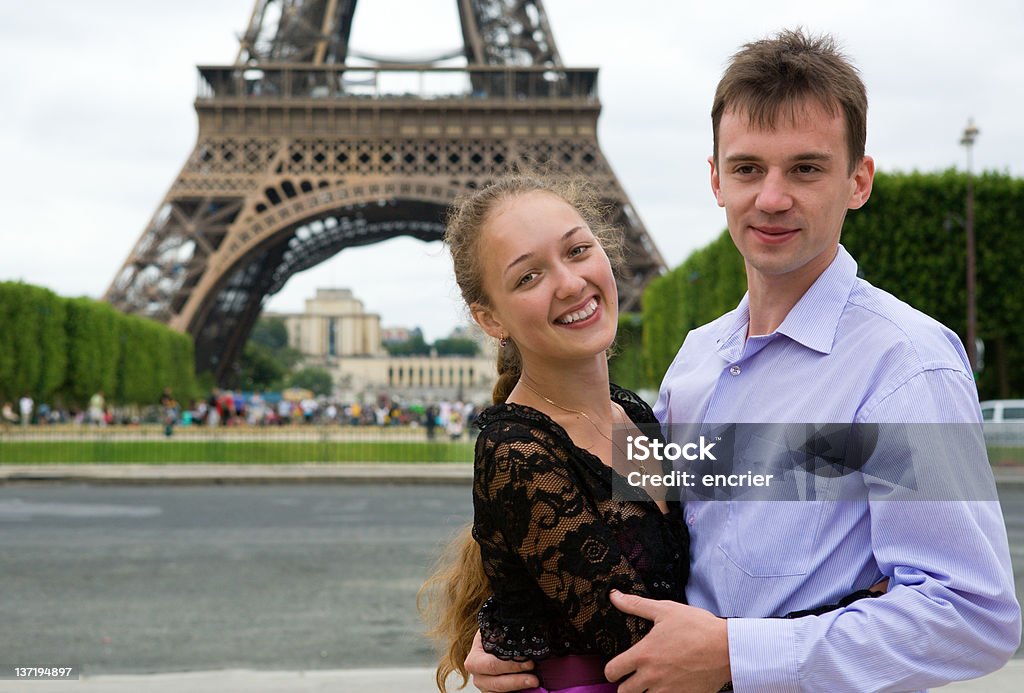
<point x="814" y="320"/>
<point x="734" y="331"/>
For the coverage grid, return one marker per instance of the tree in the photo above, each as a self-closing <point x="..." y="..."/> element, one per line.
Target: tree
<point x="312" y="378"/>
<point x="259" y="369"/>
<point x="414" y="346"/>
<point x="456" y="346"/>
<point x="271" y="333"/>
<point x="266" y="358"/>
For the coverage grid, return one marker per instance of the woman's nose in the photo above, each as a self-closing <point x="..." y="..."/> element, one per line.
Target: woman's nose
<point x="570" y="282"/>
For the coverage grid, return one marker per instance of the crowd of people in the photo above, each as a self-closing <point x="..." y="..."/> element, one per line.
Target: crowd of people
<point x="97" y="412"/>
<point x="229" y="408"/>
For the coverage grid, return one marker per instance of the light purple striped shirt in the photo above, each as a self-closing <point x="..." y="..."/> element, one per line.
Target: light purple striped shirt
<point x="847" y="352"/>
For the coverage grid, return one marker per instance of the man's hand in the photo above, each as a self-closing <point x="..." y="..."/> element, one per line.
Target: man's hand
<point x="686" y="650"/>
<point x="493" y="675"/>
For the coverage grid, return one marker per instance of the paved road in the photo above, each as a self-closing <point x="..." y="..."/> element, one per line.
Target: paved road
<point x="137" y="579"/>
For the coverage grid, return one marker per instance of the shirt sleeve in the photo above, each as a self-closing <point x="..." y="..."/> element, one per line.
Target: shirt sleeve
<point x="950" y="612"/>
<point x="528" y="507"/>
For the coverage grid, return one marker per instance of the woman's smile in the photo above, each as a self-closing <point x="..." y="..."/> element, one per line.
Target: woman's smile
<point x="577" y="317"/>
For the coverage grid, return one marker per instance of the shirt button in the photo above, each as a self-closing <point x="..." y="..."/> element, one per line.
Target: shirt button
<point x="735" y="370"/>
<point x="690" y="520"/>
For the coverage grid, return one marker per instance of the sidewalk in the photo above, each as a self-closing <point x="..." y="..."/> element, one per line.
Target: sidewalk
<point x="419" y="680"/>
<point x="349" y="473"/>
<point x="1010" y="679"/>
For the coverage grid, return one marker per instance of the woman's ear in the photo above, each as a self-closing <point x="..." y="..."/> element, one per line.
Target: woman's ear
<point x="487" y="321"/>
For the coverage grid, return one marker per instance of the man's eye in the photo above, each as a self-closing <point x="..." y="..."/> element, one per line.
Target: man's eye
<point x="745" y="170"/>
<point x="807" y="168"/>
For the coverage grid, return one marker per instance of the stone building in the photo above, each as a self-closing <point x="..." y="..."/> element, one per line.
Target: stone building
<point x="335" y="332"/>
<point x="335" y="324"/>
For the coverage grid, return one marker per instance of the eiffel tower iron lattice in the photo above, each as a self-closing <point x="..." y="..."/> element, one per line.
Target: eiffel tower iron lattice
<point x="301" y="153"/>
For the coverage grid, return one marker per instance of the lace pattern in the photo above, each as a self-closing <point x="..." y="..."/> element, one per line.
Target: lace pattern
<point x="554" y="543"/>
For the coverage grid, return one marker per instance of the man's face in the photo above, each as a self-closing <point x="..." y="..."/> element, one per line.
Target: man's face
<point x="786" y="191"/>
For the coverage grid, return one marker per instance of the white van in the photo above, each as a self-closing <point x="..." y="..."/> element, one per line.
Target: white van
<point x="1002" y="410"/>
<point x="1004" y="421"/>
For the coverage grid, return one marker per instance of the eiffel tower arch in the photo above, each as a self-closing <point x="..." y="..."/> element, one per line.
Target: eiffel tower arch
<point x="303" y="152"/>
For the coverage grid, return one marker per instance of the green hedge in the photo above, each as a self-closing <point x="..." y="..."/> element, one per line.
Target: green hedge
<point x="710" y="282"/>
<point x="94" y="349"/>
<point x="627" y="366"/>
<point x="64" y="350"/>
<point x="33" y="348"/>
<point x="908" y="240"/>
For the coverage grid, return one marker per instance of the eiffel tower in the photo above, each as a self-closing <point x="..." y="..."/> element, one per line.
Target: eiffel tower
<point x="303" y="152"/>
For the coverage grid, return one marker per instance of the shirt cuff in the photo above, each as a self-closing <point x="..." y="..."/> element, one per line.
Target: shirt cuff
<point x="761" y="654"/>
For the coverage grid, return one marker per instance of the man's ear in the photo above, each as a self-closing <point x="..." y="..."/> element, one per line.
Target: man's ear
<point x="487" y="321"/>
<point x="716" y="183"/>
<point x="863" y="178"/>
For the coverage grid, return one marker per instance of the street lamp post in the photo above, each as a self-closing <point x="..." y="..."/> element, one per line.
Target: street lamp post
<point x="967" y="140"/>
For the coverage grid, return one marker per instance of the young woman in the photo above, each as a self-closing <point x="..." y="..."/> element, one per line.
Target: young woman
<point x="549" y="541"/>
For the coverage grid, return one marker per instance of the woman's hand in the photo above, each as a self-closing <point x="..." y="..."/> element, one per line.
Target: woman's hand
<point x="493" y="675"/>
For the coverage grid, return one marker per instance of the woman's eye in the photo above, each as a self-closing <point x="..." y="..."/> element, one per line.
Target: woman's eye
<point x="526" y="278"/>
<point x="578" y="250"/>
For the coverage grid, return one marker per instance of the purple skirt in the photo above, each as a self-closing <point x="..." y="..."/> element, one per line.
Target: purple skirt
<point x="572" y="674"/>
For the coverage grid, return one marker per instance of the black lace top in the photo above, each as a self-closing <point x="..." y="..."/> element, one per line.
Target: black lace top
<point x="554" y="542"/>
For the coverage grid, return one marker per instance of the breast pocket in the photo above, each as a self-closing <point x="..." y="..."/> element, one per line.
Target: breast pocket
<point x="773" y="533"/>
<point x="772" y="538"/>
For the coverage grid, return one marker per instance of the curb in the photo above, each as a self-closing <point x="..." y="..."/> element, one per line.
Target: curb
<point x="1008" y="477"/>
<point x="193" y="474"/>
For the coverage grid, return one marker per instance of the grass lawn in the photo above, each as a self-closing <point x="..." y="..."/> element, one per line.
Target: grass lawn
<point x="1005" y="456"/>
<point x="225" y="450"/>
<point x="229" y="451"/>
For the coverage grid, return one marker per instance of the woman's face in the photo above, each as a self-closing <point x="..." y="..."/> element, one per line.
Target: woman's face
<point x="549" y="282"/>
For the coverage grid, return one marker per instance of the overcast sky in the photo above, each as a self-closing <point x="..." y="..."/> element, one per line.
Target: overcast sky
<point x="98" y="119"/>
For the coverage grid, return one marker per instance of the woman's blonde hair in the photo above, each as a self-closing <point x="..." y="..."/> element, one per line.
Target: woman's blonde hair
<point x="464" y="230"/>
<point x="449" y="601"/>
<point x="451" y="598"/>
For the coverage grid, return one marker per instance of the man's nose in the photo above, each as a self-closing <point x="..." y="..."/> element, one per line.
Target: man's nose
<point x="774" y="195"/>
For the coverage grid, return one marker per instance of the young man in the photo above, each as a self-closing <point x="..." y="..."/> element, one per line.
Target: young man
<point x="813" y="343"/>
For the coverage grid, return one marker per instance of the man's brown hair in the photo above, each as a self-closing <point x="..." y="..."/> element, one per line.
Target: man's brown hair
<point x="773" y="77"/>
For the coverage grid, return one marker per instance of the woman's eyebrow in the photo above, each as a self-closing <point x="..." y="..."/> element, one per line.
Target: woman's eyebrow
<point x="527" y="256"/>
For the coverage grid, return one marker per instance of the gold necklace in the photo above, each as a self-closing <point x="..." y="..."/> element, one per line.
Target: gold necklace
<point x="597" y="428"/>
